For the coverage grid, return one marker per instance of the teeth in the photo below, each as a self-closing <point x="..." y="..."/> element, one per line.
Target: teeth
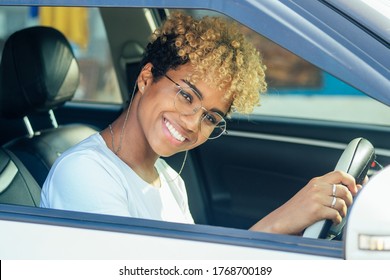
<point x="174" y="132"/>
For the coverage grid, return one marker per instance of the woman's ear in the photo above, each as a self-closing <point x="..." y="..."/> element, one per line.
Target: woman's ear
<point x="145" y="78"/>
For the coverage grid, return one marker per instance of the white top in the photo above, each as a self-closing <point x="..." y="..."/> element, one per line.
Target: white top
<point x="89" y="177"/>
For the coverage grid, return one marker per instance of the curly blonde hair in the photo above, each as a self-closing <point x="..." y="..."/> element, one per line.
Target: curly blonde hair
<point x="212" y="45"/>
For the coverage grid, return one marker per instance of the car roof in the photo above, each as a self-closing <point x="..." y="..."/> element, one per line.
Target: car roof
<point x="336" y="36"/>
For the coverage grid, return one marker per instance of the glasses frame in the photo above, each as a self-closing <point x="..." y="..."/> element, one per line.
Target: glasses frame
<point x="196" y="109"/>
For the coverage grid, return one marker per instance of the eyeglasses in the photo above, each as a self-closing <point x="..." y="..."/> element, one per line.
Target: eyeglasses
<point x="187" y="102"/>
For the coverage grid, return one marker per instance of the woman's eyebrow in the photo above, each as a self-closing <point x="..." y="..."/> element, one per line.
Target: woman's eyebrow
<point x="199" y="94"/>
<point x="194" y="89"/>
<point x="215" y="110"/>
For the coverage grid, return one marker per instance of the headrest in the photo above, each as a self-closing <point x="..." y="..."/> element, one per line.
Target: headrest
<point x="38" y="72"/>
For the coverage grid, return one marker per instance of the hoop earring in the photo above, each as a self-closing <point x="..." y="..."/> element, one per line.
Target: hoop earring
<point x="181" y="168"/>
<point x="117" y="150"/>
<point x="133" y="93"/>
<point x="184" y="162"/>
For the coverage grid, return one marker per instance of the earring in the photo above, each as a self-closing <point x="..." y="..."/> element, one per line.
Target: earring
<point x="142" y="88"/>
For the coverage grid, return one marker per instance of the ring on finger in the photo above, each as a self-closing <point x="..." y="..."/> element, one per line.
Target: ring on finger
<point x="334" y="190"/>
<point x="333" y="202"/>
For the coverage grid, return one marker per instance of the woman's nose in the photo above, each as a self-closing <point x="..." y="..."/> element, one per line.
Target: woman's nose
<point x="193" y="121"/>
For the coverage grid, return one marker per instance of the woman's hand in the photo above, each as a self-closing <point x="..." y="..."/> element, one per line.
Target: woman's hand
<point x="325" y="197"/>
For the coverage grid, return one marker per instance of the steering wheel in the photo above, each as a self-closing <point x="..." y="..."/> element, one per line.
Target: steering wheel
<point x="355" y="160"/>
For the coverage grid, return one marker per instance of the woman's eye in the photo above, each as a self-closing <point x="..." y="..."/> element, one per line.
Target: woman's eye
<point x="186" y="96"/>
<point x="210" y="119"/>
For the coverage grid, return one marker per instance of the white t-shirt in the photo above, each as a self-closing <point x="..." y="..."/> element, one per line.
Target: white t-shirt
<point x="89" y="177"/>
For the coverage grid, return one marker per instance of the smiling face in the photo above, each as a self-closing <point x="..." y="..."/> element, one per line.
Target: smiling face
<point x="212" y="45"/>
<point x="167" y="130"/>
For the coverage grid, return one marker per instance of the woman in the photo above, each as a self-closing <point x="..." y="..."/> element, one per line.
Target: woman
<point x="195" y="72"/>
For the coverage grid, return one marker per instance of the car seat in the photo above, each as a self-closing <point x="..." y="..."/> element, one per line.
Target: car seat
<point x="38" y="73"/>
<point x="17" y="186"/>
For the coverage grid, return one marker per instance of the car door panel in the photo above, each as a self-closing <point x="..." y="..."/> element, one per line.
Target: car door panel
<point x="51" y="230"/>
<point x="260" y="164"/>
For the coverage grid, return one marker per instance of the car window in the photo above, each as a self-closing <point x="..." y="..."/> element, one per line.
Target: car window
<point x="84" y="29"/>
<point x="299" y="89"/>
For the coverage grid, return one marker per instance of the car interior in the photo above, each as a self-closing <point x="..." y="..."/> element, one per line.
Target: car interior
<point x="232" y="181"/>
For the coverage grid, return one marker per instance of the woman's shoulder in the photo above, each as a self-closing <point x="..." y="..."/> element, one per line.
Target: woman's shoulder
<point x="92" y="145"/>
<point x="90" y="151"/>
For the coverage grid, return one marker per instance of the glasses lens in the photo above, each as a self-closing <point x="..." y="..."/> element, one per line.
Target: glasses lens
<point x="213" y="125"/>
<point x="187" y="103"/>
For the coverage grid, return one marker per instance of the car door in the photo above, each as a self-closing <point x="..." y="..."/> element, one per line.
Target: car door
<point x="44" y="234"/>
